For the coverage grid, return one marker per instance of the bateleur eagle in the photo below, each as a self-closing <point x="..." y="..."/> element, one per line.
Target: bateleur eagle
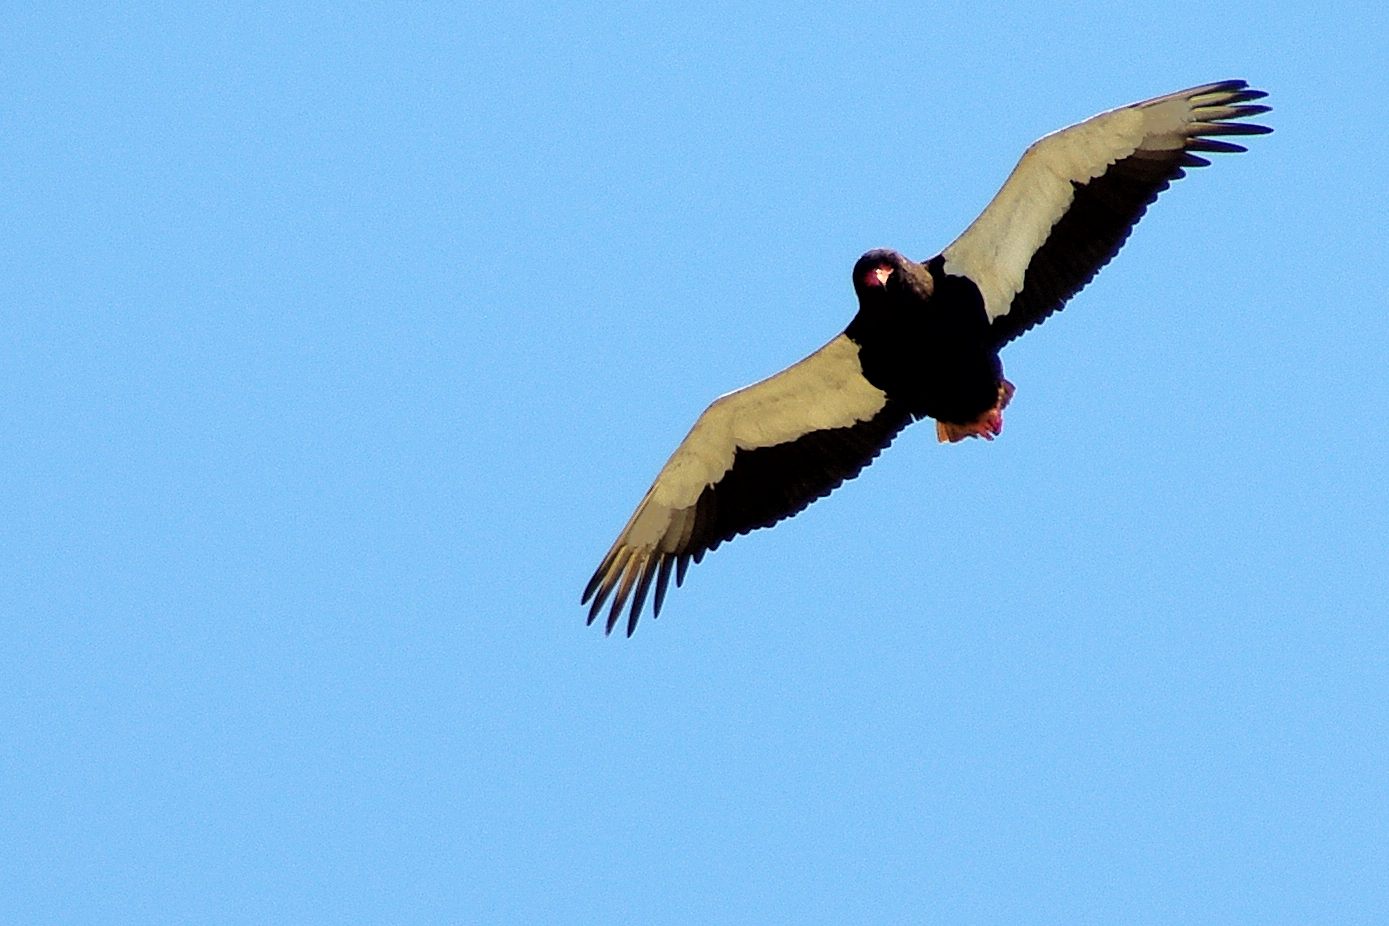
<point x="924" y="342"/>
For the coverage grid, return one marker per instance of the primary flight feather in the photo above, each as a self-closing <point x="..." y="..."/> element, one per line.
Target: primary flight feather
<point x="924" y="342"/>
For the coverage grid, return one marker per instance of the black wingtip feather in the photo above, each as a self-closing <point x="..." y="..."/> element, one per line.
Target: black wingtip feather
<point x="667" y="562"/>
<point x="648" y="572"/>
<point x="1245" y="96"/>
<point x="597" y="579"/>
<point x="595" y="608"/>
<point x="1217" y="147"/>
<point x="613" y="612"/>
<point x="1235" y="128"/>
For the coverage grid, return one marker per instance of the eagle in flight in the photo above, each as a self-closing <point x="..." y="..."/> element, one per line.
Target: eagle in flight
<point x="924" y="342"/>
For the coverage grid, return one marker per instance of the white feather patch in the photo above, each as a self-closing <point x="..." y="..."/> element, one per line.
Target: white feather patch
<point x="997" y="247"/>
<point x="825" y="390"/>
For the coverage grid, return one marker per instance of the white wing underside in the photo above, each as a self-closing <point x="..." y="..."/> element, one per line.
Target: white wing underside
<point x="822" y="393"/>
<point x="825" y="390"/>
<point x="997" y="247"/>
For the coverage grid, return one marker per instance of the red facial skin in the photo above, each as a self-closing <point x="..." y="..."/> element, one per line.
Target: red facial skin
<point x="877" y="276"/>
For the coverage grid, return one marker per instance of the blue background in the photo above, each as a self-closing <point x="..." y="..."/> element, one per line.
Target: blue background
<point x="338" y="343"/>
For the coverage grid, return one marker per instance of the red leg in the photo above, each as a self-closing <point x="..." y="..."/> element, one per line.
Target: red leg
<point x="988" y="425"/>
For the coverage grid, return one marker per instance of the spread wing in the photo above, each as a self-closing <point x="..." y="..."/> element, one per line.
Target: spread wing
<point x="1076" y="194"/>
<point x="754" y="457"/>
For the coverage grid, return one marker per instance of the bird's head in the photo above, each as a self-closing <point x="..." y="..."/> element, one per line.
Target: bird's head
<point x="883" y="273"/>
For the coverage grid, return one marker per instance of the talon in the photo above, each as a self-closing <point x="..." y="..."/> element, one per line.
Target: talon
<point x="988" y="425"/>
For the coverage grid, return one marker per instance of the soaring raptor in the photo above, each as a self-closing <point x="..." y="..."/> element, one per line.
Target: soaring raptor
<point x="924" y="342"/>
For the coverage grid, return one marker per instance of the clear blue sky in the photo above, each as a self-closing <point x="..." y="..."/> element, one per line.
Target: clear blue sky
<point x="338" y="345"/>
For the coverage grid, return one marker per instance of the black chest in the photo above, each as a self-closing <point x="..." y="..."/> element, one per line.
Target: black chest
<point x="934" y="354"/>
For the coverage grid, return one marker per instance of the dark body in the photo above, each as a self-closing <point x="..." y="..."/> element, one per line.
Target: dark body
<point x="927" y="343"/>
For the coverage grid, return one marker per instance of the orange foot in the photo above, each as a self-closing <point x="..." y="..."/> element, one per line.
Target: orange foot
<point x="988" y="425"/>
